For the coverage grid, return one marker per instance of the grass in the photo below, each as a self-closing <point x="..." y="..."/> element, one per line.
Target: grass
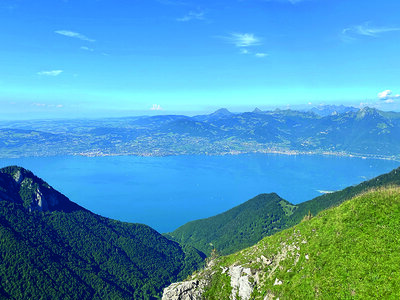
<point x="348" y="252"/>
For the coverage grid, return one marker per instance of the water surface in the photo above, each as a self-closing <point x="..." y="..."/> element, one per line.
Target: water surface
<point x="166" y="192"/>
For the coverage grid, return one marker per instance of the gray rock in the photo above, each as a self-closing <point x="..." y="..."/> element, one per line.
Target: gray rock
<point x="240" y="283"/>
<point x="186" y="290"/>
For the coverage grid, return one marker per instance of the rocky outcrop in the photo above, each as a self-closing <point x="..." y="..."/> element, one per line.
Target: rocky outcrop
<point x="186" y="290"/>
<point x="244" y="279"/>
<point x="21" y="186"/>
<point x="240" y="283"/>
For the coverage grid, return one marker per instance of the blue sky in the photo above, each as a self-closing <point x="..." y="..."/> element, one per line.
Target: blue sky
<point x="72" y="58"/>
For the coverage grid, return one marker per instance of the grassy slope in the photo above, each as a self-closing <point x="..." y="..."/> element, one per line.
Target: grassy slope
<point x="264" y="215"/>
<point x="346" y="252"/>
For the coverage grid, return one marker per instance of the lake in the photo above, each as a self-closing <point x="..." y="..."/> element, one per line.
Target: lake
<point x="166" y="192"/>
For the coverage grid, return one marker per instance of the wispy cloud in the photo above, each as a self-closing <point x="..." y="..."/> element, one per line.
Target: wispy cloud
<point x="156" y="107"/>
<point x="192" y="15"/>
<point x="47" y="105"/>
<point x="261" y="54"/>
<point x="257" y="54"/>
<point x="387" y="96"/>
<point x="366" y="30"/>
<point x="87" y="48"/>
<point x="172" y="2"/>
<point x="50" y="73"/>
<point x="285" y="1"/>
<point x="242" y="40"/>
<point x="75" y="35"/>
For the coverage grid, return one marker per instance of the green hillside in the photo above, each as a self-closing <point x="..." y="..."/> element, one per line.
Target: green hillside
<point x="51" y="248"/>
<point x="264" y="215"/>
<point x="348" y="252"/>
<point x="239" y="227"/>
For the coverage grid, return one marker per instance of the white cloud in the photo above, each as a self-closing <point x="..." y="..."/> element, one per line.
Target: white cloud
<point x="87" y="48"/>
<point x="261" y="54"/>
<point x="192" y="15"/>
<point x="389" y="101"/>
<point x="47" y="105"/>
<point x="244" y="51"/>
<point x="387" y="97"/>
<point x="243" y="39"/>
<point x="156" y="107"/>
<point x="50" y="73"/>
<point x="38" y="104"/>
<point x="366" y="30"/>
<point x="383" y="95"/>
<point x="75" y="35"/>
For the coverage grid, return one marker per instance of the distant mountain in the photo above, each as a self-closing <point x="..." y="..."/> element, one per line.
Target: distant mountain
<point x="257" y="111"/>
<point x="366" y="132"/>
<point x="218" y="114"/>
<point x="264" y="215"/>
<point x="350" y="251"/>
<point x="51" y="248"/>
<point x="327" y="110"/>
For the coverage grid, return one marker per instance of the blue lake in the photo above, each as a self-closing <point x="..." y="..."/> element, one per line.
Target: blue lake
<point x="166" y="192"/>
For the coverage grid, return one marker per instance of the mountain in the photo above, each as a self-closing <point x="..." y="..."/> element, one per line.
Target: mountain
<point x="327" y="110"/>
<point x="349" y="251"/>
<point x="257" y="111"/>
<point x="218" y="114"/>
<point x="21" y="186"/>
<point x="239" y="227"/>
<point x="264" y="215"/>
<point x="52" y="248"/>
<point x="366" y="132"/>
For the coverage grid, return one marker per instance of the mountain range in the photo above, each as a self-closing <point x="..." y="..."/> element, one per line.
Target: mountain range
<point x="325" y="130"/>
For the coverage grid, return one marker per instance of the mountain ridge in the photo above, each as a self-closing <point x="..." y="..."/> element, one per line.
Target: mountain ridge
<point x="260" y="217"/>
<point x="366" y="132"/>
<point x="65" y="251"/>
<point x="348" y="251"/>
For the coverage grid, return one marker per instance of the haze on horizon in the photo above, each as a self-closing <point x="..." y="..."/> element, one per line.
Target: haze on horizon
<point x="67" y="58"/>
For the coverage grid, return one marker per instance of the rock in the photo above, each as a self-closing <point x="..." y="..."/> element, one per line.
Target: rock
<point x="186" y="290"/>
<point x="266" y="260"/>
<point x="18" y="177"/>
<point x="269" y="296"/>
<point x="240" y="282"/>
<point x="277" y="282"/>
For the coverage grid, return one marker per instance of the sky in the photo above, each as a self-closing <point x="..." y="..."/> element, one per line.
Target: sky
<point x="89" y="58"/>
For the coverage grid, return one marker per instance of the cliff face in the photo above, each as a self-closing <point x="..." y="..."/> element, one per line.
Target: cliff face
<point x="330" y="256"/>
<point x="22" y="186"/>
<point x="186" y="290"/>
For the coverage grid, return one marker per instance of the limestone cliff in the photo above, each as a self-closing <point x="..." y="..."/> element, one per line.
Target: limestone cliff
<point x="22" y="186"/>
